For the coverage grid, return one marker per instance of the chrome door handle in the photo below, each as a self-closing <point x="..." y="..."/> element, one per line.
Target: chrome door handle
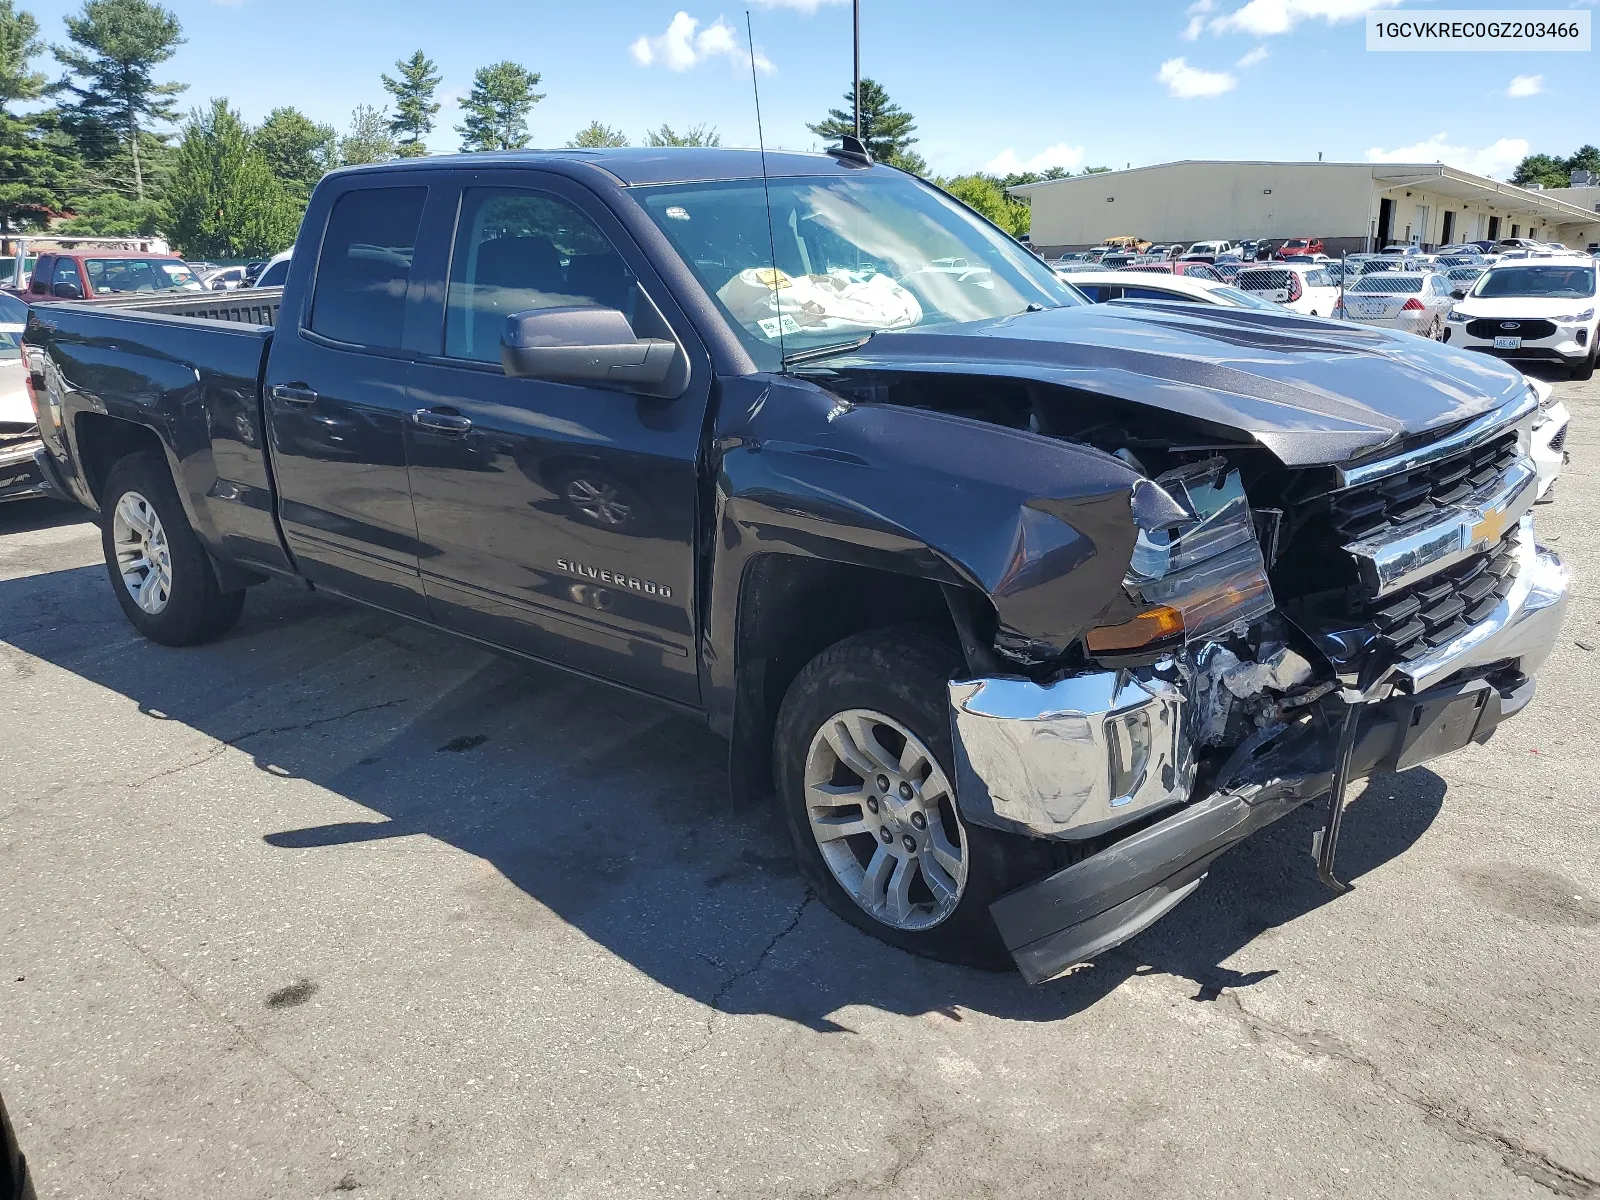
<point x="441" y="421"/>
<point x="293" y="393"/>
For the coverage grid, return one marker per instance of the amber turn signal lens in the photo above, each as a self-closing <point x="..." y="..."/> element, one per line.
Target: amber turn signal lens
<point x="1156" y="625"/>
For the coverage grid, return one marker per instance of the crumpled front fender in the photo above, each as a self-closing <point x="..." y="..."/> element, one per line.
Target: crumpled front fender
<point x="1044" y="528"/>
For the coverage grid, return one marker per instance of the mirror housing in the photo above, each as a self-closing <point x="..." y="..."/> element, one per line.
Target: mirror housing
<point x="67" y="291"/>
<point x="587" y="344"/>
<point x="1458" y="294"/>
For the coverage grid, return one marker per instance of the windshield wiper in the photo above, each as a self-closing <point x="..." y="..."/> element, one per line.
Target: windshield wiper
<point x="800" y="356"/>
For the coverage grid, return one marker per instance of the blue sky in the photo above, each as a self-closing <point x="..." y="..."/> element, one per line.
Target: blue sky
<point x="1005" y="83"/>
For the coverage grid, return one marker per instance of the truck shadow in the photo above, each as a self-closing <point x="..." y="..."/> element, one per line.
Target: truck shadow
<point x="607" y="811"/>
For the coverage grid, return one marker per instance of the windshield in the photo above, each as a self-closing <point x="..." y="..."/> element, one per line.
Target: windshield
<point x="141" y="275"/>
<point x="1543" y="282"/>
<point x="854" y="255"/>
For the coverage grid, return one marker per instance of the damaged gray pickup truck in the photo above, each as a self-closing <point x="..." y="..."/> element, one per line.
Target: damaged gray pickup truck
<point x="1027" y="608"/>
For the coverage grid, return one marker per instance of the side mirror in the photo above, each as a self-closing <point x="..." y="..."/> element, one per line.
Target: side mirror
<point x="1458" y="294"/>
<point x="588" y="344"/>
<point x="67" y="291"/>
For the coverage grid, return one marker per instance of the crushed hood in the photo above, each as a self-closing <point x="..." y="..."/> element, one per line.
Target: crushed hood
<point x="1311" y="391"/>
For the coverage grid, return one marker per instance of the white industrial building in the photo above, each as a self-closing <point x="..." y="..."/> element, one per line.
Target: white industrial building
<point x="1350" y="206"/>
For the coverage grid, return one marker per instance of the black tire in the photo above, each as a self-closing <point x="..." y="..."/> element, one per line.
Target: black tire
<point x="902" y="674"/>
<point x="1584" y="371"/>
<point x="197" y="609"/>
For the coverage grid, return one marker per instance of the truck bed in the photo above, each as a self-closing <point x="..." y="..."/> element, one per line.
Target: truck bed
<point x="246" y="306"/>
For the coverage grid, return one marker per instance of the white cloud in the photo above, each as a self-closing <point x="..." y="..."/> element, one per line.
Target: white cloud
<point x="1197" y="19"/>
<point x="1259" y="54"/>
<point x="1496" y="159"/>
<point x="686" y="45"/>
<point x="1009" y="162"/>
<point x="1187" y="83"/>
<point x="1525" y="85"/>
<point x="1264" y="18"/>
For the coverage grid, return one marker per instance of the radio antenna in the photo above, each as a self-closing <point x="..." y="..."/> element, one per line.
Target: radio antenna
<point x="766" y="192"/>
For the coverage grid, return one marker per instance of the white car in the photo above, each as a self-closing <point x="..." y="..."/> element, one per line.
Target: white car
<point x="1212" y="248"/>
<point x="1541" y="311"/>
<point x="1548" y="439"/>
<point x="1101" y="286"/>
<point x="1301" y="287"/>
<point x="225" y="279"/>
<point x="276" y="270"/>
<point x="1413" y="301"/>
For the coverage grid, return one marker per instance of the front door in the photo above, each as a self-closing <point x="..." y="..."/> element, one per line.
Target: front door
<point x="554" y="519"/>
<point x="337" y="407"/>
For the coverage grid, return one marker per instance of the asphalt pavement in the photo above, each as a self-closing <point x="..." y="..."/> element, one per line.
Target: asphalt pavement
<point x="339" y="906"/>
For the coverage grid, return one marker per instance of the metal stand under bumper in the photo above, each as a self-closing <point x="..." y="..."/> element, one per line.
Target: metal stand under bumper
<point x="1091" y="906"/>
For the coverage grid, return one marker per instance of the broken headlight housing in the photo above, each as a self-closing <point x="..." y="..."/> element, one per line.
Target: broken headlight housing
<point x="1197" y="568"/>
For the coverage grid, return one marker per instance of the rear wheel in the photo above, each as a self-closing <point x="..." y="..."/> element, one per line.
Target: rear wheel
<point x="160" y="573"/>
<point x="1436" y="330"/>
<point x="862" y="754"/>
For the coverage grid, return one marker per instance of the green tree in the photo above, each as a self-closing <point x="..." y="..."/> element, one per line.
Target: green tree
<point x="886" y="128"/>
<point x="695" y="135"/>
<point x="369" y="139"/>
<point x="223" y="200"/>
<point x="496" y="111"/>
<point x="1542" y="169"/>
<point x="1586" y="159"/>
<point x="414" y="105"/>
<point x="298" y="150"/>
<point x="112" y="214"/>
<point x="594" y="135"/>
<point x="36" y="163"/>
<point x="986" y="194"/>
<point x="1096" y="170"/>
<point x="115" y="47"/>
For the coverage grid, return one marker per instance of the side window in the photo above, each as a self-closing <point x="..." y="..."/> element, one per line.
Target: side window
<point x="67" y="272"/>
<point x="517" y="250"/>
<point x="365" y="268"/>
<point x="42" y="267"/>
<point x="273" y="276"/>
<point x="1139" y="293"/>
<point x="1319" y="278"/>
<point x="1098" y="292"/>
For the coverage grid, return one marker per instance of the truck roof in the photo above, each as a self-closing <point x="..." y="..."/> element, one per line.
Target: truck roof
<point x="639" y="165"/>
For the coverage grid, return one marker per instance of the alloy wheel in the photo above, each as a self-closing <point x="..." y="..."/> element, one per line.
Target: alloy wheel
<point x="884" y="817"/>
<point x="144" y="559"/>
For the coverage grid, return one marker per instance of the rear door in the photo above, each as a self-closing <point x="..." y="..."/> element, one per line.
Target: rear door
<point x="337" y="406"/>
<point x="555" y="519"/>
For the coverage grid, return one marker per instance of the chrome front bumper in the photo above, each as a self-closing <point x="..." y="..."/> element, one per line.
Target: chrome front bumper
<point x="1091" y="752"/>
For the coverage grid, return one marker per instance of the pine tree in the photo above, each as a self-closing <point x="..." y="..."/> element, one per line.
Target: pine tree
<point x="496" y="111"/>
<point x="115" y="46"/>
<point x="594" y="135"/>
<point x="223" y="200"/>
<point x="414" y="105"/>
<point x="369" y="139"/>
<point x="37" y="167"/>
<point x="886" y="128"/>
<point x="298" y="150"/>
<point x="695" y="135"/>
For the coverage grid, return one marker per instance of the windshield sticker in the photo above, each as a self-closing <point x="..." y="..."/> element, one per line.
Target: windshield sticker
<point x="677" y="213"/>
<point x="772" y="326"/>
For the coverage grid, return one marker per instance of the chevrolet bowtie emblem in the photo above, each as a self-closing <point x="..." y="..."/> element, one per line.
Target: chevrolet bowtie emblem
<point x="1489" y="531"/>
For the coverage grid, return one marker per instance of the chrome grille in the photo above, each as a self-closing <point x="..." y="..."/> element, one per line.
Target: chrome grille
<point x="1439" y="610"/>
<point x="1364" y="512"/>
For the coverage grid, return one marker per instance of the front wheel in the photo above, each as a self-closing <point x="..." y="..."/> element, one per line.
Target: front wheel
<point x="159" y="570"/>
<point x="863" y="758"/>
<point x="1584" y="371"/>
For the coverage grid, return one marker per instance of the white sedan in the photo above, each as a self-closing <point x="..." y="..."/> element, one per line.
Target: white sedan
<point x="1304" y="288"/>
<point x="1101" y="286"/>
<point x="1414" y="301"/>
<point x="1544" y="310"/>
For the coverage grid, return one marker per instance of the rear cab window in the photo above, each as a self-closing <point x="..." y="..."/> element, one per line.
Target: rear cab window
<point x="364" y="270"/>
<point x="42" y="269"/>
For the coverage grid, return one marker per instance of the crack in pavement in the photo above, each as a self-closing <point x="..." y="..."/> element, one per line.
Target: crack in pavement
<point x="239" y="1031"/>
<point x="1518" y="1158"/>
<point x="232" y="742"/>
<point x="761" y="959"/>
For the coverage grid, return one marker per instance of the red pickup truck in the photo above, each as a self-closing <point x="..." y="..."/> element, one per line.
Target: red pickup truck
<point x="94" y="274"/>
